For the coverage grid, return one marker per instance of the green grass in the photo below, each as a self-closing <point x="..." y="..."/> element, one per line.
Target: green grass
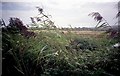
<point x="46" y="55"/>
<point x="56" y="51"/>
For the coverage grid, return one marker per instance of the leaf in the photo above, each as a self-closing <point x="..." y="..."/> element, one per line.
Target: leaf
<point x="118" y="14"/>
<point x="98" y="24"/>
<point x="32" y="19"/>
<point x="18" y="70"/>
<point x="40" y="9"/>
<point x="96" y="16"/>
<point x="38" y="19"/>
<point x="43" y="48"/>
<point x="103" y="25"/>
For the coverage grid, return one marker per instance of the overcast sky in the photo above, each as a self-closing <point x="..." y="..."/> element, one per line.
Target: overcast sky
<point x="64" y="12"/>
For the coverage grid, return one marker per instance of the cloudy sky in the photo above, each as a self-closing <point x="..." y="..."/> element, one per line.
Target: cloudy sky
<point x="64" y="12"/>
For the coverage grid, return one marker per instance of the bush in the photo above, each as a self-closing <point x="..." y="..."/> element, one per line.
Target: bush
<point x="82" y="44"/>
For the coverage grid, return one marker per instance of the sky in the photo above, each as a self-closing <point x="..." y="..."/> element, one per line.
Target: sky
<point x="64" y="12"/>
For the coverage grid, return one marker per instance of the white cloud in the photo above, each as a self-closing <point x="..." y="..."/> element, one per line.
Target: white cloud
<point x="0" y="10"/>
<point x="23" y="15"/>
<point x="65" y="12"/>
<point x="60" y="1"/>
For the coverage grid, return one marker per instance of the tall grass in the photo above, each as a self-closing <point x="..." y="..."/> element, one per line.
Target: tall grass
<point x="52" y="53"/>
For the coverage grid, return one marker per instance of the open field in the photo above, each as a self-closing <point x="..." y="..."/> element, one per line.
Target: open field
<point x="76" y="32"/>
<point x="97" y="34"/>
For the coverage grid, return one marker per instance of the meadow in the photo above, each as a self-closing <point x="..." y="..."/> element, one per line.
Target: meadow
<point x="58" y="53"/>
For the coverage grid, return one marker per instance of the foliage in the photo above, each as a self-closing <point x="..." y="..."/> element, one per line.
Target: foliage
<point x="53" y="53"/>
<point x="97" y="16"/>
<point x="82" y="44"/>
<point x="43" y="19"/>
<point x="102" y="23"/>
<point x="46" y="54"/>
<point x="14" y="46"/>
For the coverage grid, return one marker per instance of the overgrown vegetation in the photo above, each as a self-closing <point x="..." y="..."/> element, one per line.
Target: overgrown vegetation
<point x="53" y="53"/>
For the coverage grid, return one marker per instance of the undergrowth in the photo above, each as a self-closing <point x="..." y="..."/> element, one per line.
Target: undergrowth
<point x="52" y="53"/>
